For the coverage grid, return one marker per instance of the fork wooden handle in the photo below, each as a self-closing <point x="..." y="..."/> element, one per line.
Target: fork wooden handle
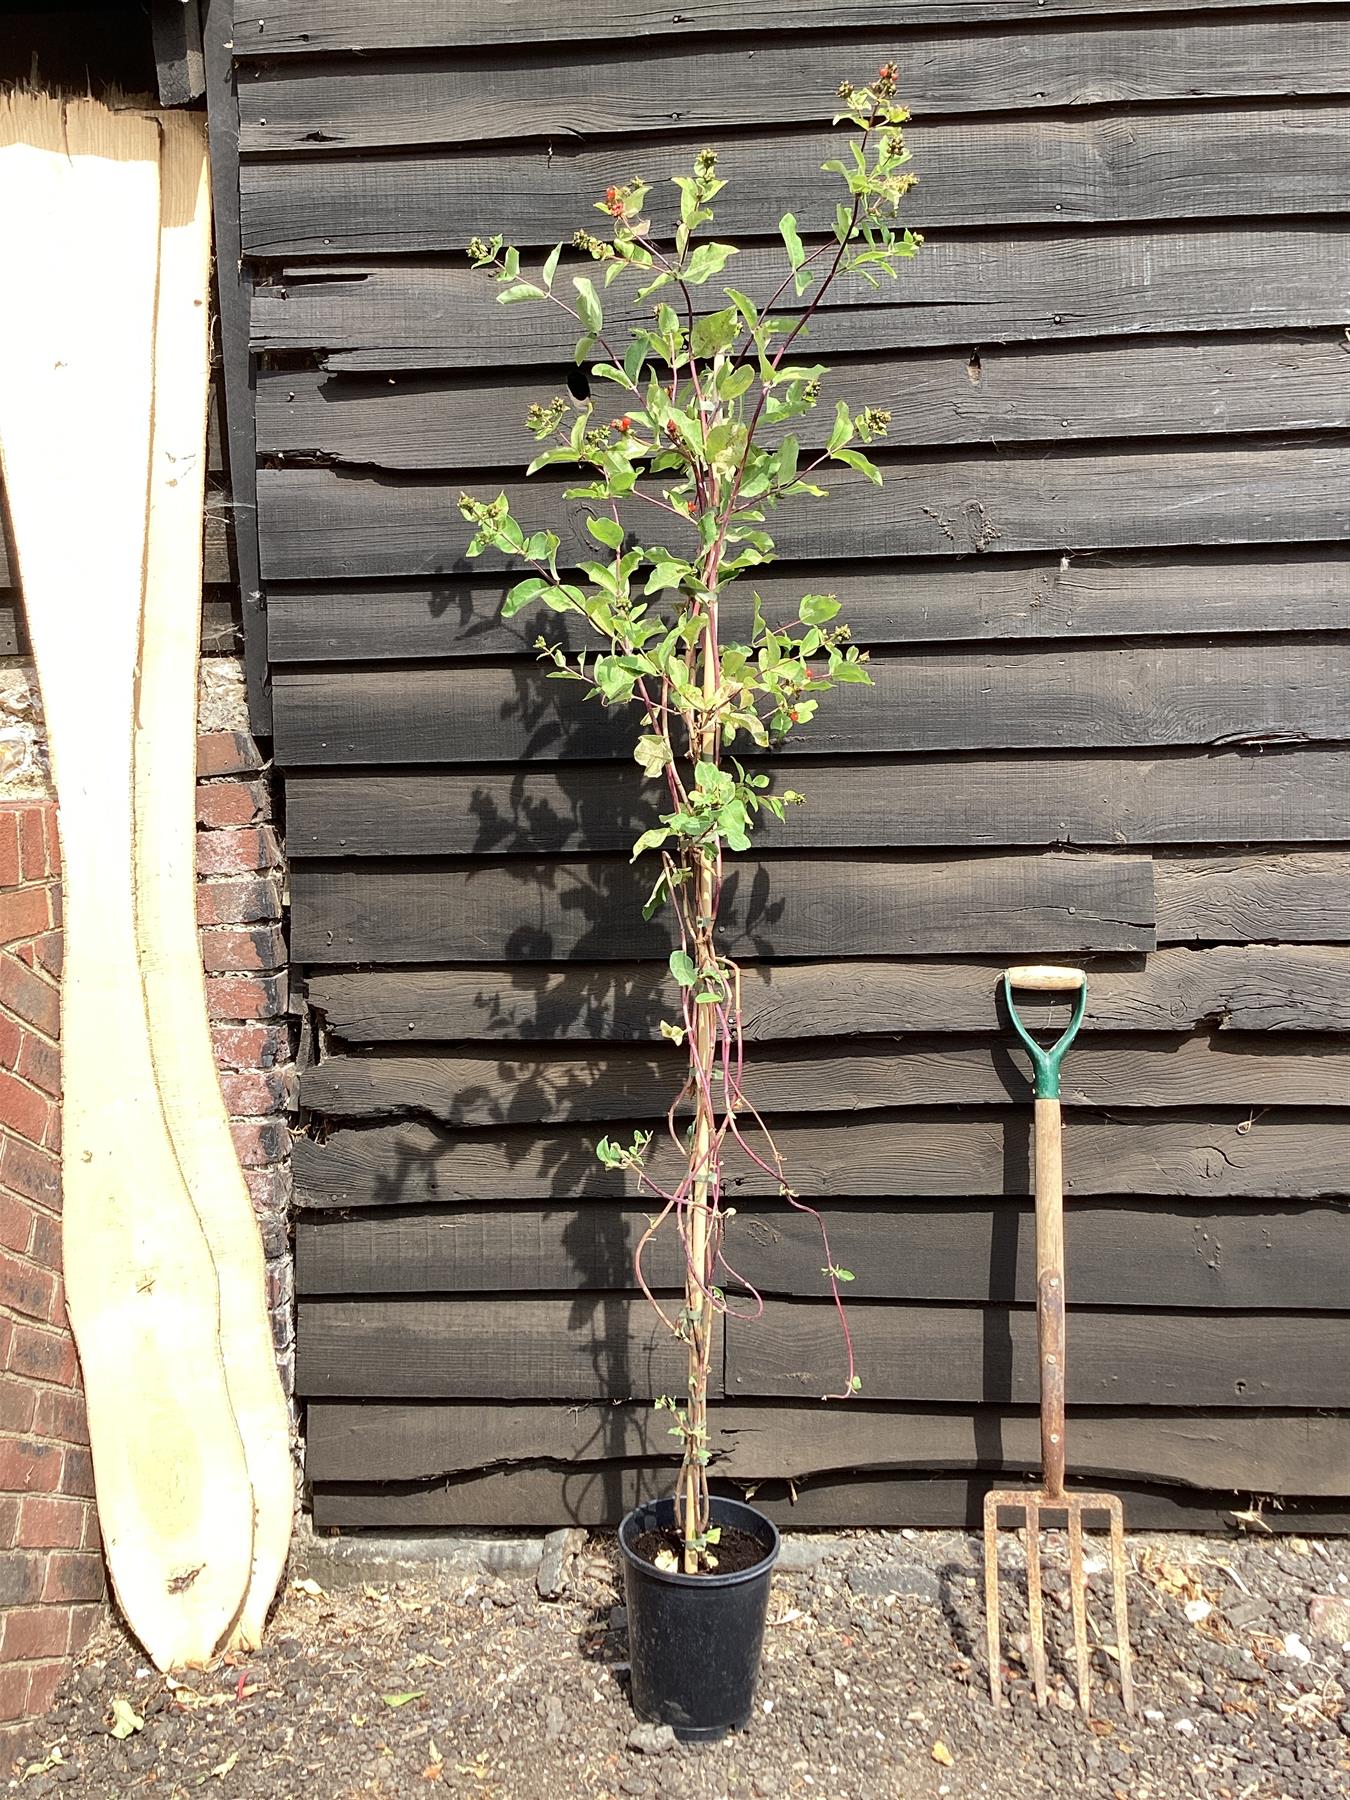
<point x="1050" y="1327"/>
<point x="1047" y="977"/>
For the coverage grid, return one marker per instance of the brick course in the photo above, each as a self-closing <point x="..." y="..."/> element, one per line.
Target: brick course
<point x="51" y="1570"/>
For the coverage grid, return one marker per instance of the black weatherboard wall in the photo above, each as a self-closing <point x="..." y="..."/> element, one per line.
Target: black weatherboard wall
<point x="1106" y="590"/>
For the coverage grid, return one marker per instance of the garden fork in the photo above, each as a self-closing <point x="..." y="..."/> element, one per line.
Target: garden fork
<point x="1050" y="1334"/>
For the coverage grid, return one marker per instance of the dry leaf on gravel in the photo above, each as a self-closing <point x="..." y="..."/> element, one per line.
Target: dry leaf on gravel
<point x="941" y="1754"/>
<point x="125" y="1719"/>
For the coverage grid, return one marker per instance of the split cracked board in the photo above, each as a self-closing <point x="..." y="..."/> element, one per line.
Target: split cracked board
<point x="1023" y="286"/>
<point x="912" y="601"/>
<point x="1271" y="796"/>
<point x="465" y="1089"/>
<point x="599" y="1495"/>
<point x="536" y="911"/>
<point x="608" y="1346"/>
<point x="1258" y="382"/>
<point x="611" y="89"/>
<point x="1121" y="1251"/>
<point x="1266" y="987"/>
<point x="321" y="523"/>
<point x="1244" y="160"/>
<point x="1216" y="1153"/>
<point x="429" y="1440"/>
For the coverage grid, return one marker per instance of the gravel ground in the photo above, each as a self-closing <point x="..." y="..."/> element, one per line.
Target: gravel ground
<point x="873" y="1688"/>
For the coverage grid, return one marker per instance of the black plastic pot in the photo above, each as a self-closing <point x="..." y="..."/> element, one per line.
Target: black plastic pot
<point x="694" y="1641"/>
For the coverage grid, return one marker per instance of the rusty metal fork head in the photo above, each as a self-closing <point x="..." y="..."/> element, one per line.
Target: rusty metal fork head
<point x="1031" y="1505"/>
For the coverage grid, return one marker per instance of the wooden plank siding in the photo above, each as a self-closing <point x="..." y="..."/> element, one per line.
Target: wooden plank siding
<point x="282" y="27"/>
<point x="1106" y="593"/>
<point x="1025" y="286"/>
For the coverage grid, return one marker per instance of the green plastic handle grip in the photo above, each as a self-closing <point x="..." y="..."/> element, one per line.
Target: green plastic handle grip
<point x="1046" y="1062"/>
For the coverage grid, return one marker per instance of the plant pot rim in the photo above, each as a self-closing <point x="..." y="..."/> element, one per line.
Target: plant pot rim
<point x="676" y="1577"/>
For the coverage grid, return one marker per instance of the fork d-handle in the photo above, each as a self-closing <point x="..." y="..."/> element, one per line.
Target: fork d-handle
<point x="1050" y="1329"/>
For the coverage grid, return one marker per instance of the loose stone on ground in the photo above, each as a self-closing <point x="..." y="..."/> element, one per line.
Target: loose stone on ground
<point x="397" y="1675"/>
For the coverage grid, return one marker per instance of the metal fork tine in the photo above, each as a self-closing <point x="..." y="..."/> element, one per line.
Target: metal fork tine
<point x="991" y="1607"/>
<point x="1035" y="1612"/>
<point x="1078" y="1598"/>
<point x="1118" y="1601"/>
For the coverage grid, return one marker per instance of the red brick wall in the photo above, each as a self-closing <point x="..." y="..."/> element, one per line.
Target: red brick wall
<point x="239" y="902"/>
<point x="51" y="1575"/>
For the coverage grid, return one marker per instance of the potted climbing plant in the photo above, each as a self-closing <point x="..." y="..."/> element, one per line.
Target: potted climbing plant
<point x="680" y="474"/>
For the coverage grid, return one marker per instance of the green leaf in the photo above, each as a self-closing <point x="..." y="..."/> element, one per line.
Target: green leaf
<point x="651" y="840"/>
<point x="522" y="594"/>
<point x="714" y="332"/>
<point x="652" y="754"/>
<point x="607" y="532"/>
<point x="733" y="379"/>
<point x="551" y="265"/>
<point x="787" y="225"/>
<point x="403" y="1699"/>
<point x="863" y="464"/>
<point x="744" y="305"/>
<point x="682" y="968"/>
<point x="817" y="609"/>
<point x="633" y="358"/>
<point x="522" y="290"/>
<point x="588" y="305"/>
<point x="708" y="260"/>
<point x="843" y="428"/>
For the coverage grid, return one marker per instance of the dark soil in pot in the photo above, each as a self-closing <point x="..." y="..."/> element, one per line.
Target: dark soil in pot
<point x="735" y="1550"/>
<point x="695" y="1640"/>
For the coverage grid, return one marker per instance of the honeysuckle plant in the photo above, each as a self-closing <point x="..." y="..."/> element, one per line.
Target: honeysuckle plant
<point x="680" y="483"/>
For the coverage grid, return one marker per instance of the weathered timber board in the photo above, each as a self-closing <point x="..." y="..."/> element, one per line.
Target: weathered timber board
<point x="462" y="1089"/>
<point x="216" y="544"/>
<point x="1120" y="1252"/>
<point x="605" y="90"/>
<point x="1014" y="697"/>
<point x="393" y="912"/>
<point x="1287" y="897"/>
<point x="600" y="1495"/>
<point x="988" y="1354"/>
<point x="281" y="27"/>
<point x="1263" y="797"/>
<point x="595" y="1348"/>
<point x="1303" y="987"/>
<point x="1243" y="161"/>
<point x="966" y="291"/>
<point x="1220" y="1153"/>
<point x="1186" y="594"/>
<point x="1227" y="383"/>
<point x="345" y="1441"/>
<point x="607" y="1346"/>
<point x="220" y="624"/>
<point x="322" y="523"/>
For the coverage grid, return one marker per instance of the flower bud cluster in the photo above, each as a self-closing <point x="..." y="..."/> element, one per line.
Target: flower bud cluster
<point x="543" y="421"/>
